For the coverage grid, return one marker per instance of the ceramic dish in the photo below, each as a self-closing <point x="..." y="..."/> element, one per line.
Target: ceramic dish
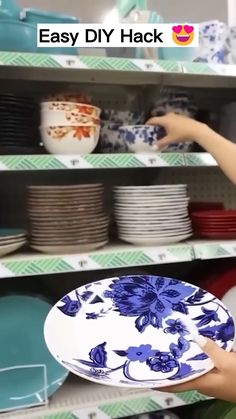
<point x="162" y="240"/>
<point x="138" y="306"/>
<point x="60" y="222"/>
<point x="111" y="140"/>
<point x="83" y="108"/>
<point x="22" y="319"/>
<point x="122" y="117"/>
<point x="81" y="139"/>
<point x="69" y="250"/>
<point x="141" y="138"/>
<point x="6" y="249"/>
<point x="58" y="118"/>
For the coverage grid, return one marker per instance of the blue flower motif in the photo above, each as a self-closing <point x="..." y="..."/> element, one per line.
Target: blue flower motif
<point x="207" y="317"/>
<point x="162" y="362"/>
<point x="176" y="326"/>
<point x="148" y="298"/>
<point x="92" y="316"/>
<point x="129" y="136"/>
<point x="226" y="331"/>
<point x="70" y="307"/>
<point x="141" y="353"/>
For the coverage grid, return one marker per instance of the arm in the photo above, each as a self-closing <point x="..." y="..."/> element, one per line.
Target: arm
<point x="180" y="129"/>
<point x="223" y="151"/>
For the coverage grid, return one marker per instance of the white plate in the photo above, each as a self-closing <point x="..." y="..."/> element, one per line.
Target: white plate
<point x="130" y="201"/>
<point x="10" y="248"/>
<point x="229" y="300"/>
<point x="138" y="331"/>
<point x="146" y="241"/>
<point x="150" y="188"/>
<point x="129" y="214"/>
<point x="168" y="224"/>
<point x="154" y="233"/>
<point x="69" y="249"/>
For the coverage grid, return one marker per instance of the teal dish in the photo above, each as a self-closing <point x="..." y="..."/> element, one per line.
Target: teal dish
<point x="40" y="16"/>
<point x="22" y="344"/>
<point x="34" y="16"/>
<point x="178" y="53"/>
<point x="9" y="10"/>
<point x="17" y="36"/>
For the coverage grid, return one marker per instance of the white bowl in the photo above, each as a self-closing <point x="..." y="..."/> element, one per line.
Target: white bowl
<point x="70" y="139"/>
<point x="89" y="110"/>
<point x="53" y="118"/>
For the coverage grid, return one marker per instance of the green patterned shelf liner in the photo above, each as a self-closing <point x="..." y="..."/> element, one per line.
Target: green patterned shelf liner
<point x="90" y="161"/>
<point x="199" y="159"/>
<point x="41" y="162"/>
<point x="36" y="266"/>
<point x="130" y="407"/>
<point x="119" y="259"/>
<point x="212" y="251"/>
<point x="198" y="68"/>
<point x="136" y="406"/>
<point x="95" y="63"/>
<point x="110" y="64"/>
<point x="21" y="59"/>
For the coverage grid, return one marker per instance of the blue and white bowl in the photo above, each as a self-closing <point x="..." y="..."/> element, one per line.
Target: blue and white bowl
<point x="111" y="140"/>
<point x="143" y="138"/>
<point x="123" y="117"/>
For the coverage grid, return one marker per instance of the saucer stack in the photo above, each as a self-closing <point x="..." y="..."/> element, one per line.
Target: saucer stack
<point x="67" y="219"/>
<point x="11" y="240"/>
<point x="152" y="215"/>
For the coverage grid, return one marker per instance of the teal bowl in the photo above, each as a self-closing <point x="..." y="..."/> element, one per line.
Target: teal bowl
<point x="40" y="16"/>
<point x="17" y="36"/>
<point x="22" y="344"/>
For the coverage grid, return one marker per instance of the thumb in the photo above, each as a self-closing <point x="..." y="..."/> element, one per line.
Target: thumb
<point x="220" y="358"/>
<point x="164" y="142"/>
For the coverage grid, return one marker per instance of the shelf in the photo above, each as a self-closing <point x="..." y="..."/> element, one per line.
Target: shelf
<point x="115" y="256"/>
<point x="214" y="249"/>
<point x="90" y="401"/>
<point x="104" y="161"/>
<point x="104" y="70"/>
<point x="111" y="257"/>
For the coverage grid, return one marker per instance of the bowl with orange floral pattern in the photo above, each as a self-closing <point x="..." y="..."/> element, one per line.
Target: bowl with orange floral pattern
<point x="70" y="139"/>
<point x="83" y="108"/>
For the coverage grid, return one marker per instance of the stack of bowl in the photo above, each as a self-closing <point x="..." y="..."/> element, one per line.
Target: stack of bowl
<point x="69" y="127"/>
<point x="152" y="215"/>
<point x="111" y="140"/>
<point x="67" y="219"/>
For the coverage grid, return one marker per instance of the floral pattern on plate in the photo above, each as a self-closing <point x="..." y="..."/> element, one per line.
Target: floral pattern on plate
<point x="134" y="331"/>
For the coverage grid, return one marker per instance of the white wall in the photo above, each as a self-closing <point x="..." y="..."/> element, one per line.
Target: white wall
<point x="171" y="10"/>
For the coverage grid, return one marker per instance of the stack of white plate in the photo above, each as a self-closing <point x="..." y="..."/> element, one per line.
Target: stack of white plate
<point x="67" y="219"/>
<point x="152" y="215"/>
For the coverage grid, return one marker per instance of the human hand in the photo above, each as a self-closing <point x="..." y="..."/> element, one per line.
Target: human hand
<point x="179" y="128"/>
<point x="218" y="383"/>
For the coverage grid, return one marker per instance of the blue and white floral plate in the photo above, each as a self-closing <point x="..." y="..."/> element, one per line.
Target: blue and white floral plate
<point x="133" y="331"/>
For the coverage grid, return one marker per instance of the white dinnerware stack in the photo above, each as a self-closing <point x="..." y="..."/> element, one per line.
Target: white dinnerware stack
<point x="152" y="215"/>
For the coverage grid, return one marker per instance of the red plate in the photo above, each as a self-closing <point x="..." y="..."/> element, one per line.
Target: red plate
<point x="217" y="235"/>
<point x="218" y="214"/>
